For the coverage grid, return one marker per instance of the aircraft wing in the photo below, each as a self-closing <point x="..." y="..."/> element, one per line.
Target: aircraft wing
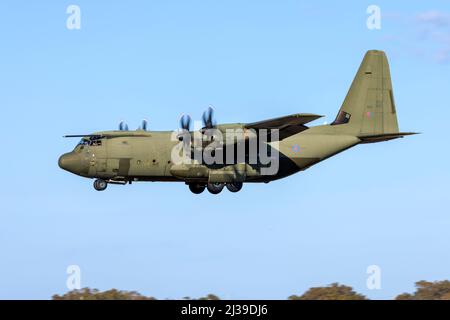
<point x="287" y="125"/>
<point x="111" y="134"/>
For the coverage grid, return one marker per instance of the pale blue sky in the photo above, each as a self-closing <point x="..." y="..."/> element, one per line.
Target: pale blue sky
<point x="383" y="204"/>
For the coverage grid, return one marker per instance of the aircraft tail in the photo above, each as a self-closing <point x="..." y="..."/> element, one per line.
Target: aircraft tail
<point x="369" y="107"/>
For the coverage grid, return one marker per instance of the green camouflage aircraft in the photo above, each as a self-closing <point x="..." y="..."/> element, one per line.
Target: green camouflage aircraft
<point x="367" y="115"/>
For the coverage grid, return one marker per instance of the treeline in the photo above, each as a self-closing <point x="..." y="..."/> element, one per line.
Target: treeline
<point x="425" y="290"/>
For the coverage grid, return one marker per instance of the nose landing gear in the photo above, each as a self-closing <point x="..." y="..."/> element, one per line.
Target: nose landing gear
<point x="100" y="184"/>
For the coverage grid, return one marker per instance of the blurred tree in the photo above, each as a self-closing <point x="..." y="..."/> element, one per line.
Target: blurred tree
<point x="210" y="297"/>
<point x="94" y="294"/>
<point x="426" y="290"/>
<point x="334" y="291"/>
<point x="113" y="294"/>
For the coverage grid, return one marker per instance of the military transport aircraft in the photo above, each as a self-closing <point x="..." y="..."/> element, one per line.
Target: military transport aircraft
<point x="367" y="115"/>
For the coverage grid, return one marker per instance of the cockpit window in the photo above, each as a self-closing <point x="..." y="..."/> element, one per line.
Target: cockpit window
<point x="83" y="142"/>
<point x="94" y="141"/>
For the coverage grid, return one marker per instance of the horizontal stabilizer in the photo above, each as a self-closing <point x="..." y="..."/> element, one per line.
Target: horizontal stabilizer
<point x="371" y="138"/>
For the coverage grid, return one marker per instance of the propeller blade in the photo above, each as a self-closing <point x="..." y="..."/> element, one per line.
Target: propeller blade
<point x="144" y="124"/>
<point x="207" y="118"/>
<point x="123" y="126"/>
<point x="185" y="122"/>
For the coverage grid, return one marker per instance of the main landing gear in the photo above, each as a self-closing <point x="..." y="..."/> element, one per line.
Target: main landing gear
<point x="100" y="184"/>
<point x="215" y="188"/>
<point x="197" y="188"/>
<point x="234" y="186"/>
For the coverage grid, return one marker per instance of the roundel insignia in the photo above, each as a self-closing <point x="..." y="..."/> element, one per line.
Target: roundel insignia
<point x="296" y="148"/>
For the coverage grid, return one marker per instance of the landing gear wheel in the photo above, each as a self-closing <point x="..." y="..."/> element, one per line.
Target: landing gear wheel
<point x="215" y="188"/>
<point x="234" y="186"/>
<point x="100" y="184"/>
<point x="197" y="188"/>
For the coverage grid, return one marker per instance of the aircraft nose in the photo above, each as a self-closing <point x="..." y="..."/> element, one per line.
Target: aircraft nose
<point x="70" y="162"/>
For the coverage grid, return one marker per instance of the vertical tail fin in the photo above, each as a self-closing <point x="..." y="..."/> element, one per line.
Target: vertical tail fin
<point x="369" y="106"/>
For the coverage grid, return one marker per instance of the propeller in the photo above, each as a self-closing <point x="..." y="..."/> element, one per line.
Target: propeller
<point x="185" y="122"/>
<point x="123" y="126"/>
<point x="144" y="125"/>
<point x="207" y="118"/>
